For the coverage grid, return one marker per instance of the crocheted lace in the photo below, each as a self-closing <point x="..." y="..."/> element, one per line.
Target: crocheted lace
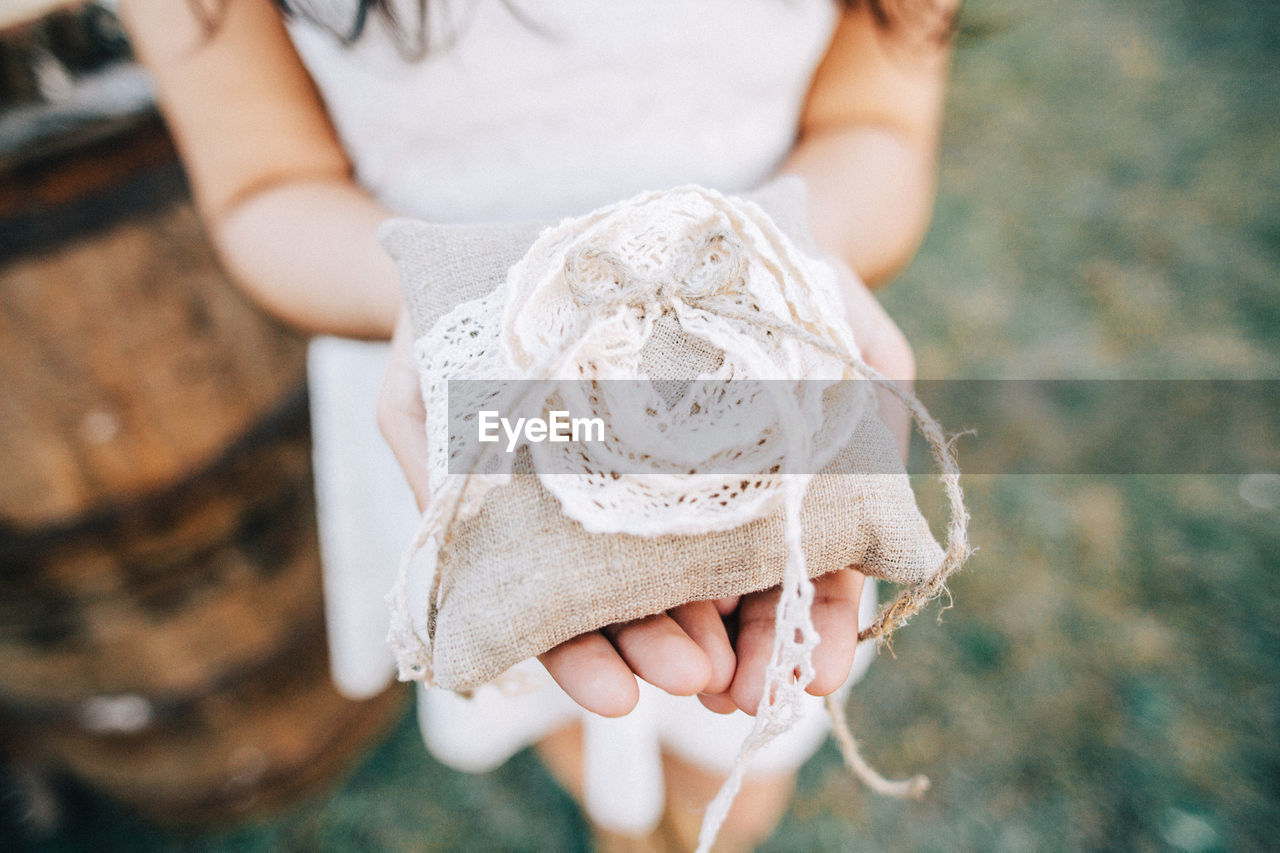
<point x="670" y="286"/>
<point x="681" y="285"/>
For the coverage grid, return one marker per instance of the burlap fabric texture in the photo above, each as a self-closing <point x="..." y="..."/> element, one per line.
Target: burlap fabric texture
<point x="516" y="575"/>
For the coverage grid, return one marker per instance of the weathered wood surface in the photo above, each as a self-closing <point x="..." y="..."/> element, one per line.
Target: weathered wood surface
<point x="161" y="622"/>
<point x="129" y="363"/>
<point x="172" y="596"/>
<point x="265" y="739"/>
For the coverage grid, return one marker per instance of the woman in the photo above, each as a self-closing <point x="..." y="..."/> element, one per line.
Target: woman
<point x="302" y="134"/>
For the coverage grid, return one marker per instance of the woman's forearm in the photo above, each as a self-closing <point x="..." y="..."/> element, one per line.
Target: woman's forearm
<point x="269" y="174"/>
<point x="868" y="140"/>
<point x="870" y="194"/>
<point x="307" y="251"/>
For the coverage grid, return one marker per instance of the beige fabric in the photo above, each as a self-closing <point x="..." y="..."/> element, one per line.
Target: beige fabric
<point x="517" y="576"/>
<point x="445" y="265"/>
<point x="682" y="284"/>
<point x="442" y="266"/>
<point x="520" y="577"/>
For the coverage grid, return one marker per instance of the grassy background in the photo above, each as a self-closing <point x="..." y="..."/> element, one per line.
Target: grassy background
<point x="1107" y="678"/>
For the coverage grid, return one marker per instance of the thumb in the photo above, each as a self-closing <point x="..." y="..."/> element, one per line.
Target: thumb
<point x="401" y="414"/>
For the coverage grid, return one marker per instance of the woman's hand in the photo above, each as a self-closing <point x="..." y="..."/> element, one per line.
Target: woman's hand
<point x="837" y="594"/>
<point x="402" y="416"/>
<point x="684" y="651"/>
<point x="717" y="650"/>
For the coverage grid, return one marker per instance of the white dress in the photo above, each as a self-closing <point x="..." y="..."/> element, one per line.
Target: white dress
<point x="539" y="111"/>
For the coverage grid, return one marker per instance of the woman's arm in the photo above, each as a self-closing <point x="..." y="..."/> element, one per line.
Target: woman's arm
<point x="866" y="151"/>
<point x="868" y="141"/>
<point x="270" y="178"/>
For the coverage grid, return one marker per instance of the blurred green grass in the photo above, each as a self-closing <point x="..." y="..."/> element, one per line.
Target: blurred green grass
<point x="1107" y="678"/>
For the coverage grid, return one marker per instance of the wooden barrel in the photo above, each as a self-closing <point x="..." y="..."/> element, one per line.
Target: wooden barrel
<point x="161" y="627"/>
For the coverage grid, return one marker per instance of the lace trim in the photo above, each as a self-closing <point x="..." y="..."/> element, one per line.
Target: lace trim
<point x="590" y="301"/>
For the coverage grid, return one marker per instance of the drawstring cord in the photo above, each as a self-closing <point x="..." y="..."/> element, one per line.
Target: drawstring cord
<point x="790" y="669"/>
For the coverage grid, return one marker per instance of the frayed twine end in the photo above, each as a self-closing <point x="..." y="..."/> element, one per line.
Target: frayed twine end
<point x="913" y="788"/>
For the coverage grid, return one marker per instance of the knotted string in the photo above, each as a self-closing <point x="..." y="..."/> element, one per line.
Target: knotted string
<point x="602" y="284"/>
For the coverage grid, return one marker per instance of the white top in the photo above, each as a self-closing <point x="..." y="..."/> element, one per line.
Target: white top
<point x="583" y="103"/>
<point x="572" y="105"/>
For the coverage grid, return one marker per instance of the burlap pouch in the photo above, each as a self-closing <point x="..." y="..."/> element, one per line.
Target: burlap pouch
<point x="522" y="562"/>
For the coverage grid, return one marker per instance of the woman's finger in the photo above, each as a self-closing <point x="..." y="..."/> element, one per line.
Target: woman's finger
<point x="718" y="703"/>
<point x="725" y="606"/>
<point x="702" y="623"/>
<point x="401" y="414"/>
<point x="589" y="669"/>
<point x="835" y="618"/>
<point x="659" y="651"/>
<point x="884" y="347"/>
<point x="754" y="647"/>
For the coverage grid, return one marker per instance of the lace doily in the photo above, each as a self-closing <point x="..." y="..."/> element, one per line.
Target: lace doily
<point x="680" y="285"/>
<point x="679" y="313"/>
